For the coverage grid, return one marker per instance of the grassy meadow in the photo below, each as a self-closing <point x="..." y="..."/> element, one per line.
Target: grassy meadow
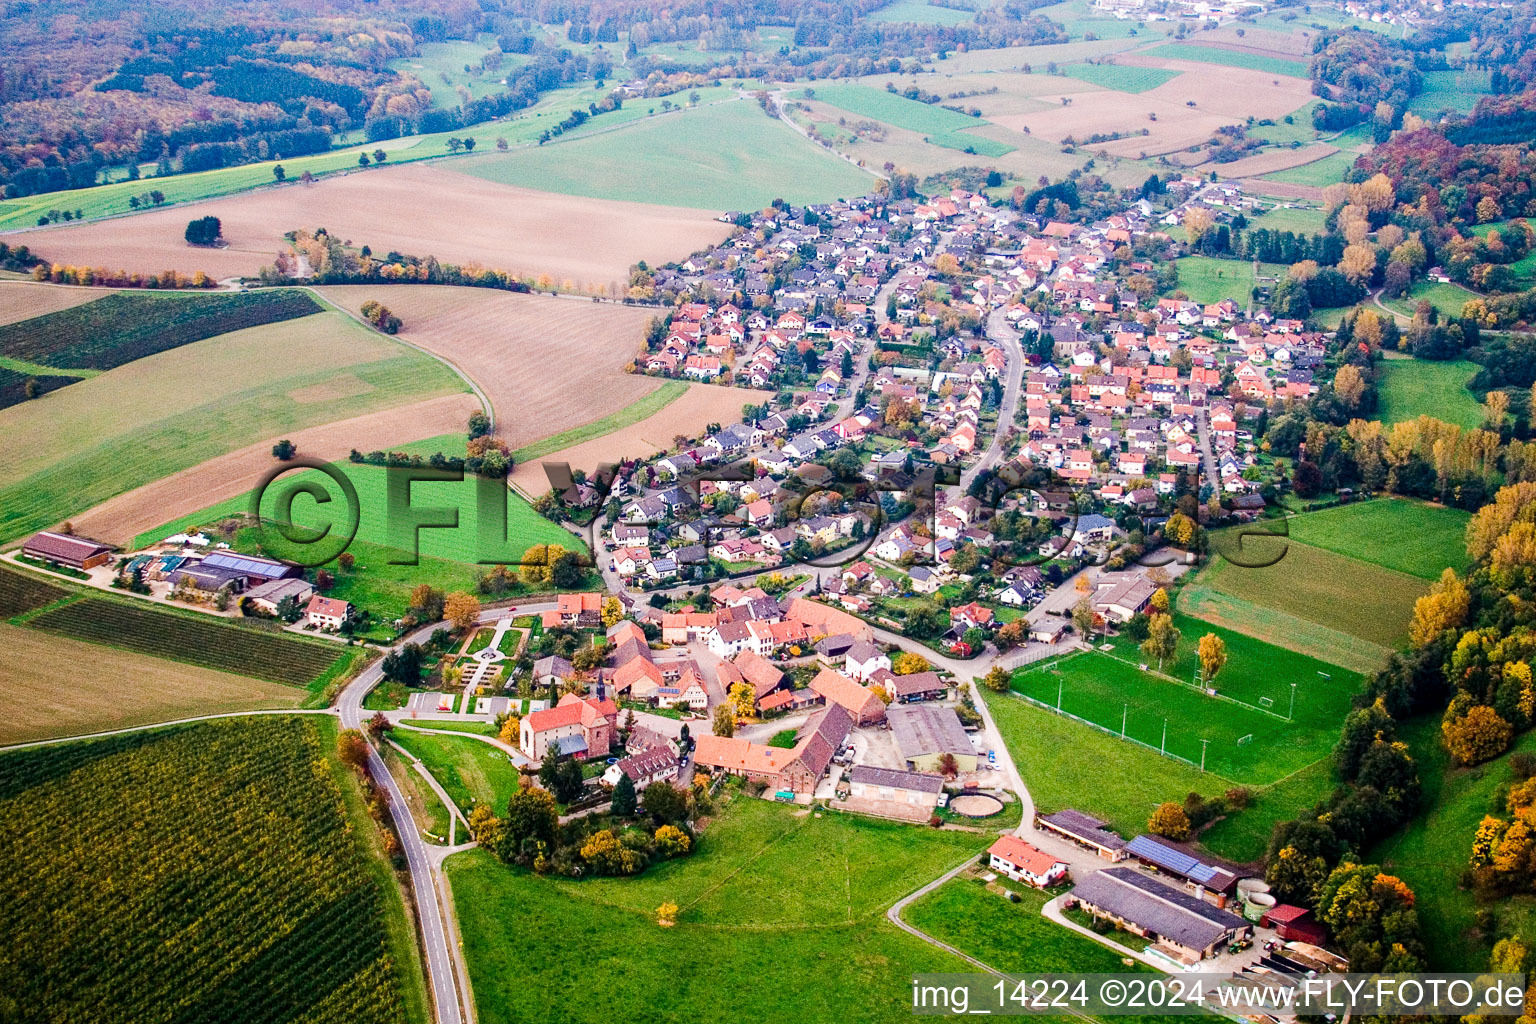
<point x="1410" y="388"/>
<point x="939" y="126"/>
<point x="1407" y="536"/>
<point x="722" y="156"/>
<point x="1231" y="59"/>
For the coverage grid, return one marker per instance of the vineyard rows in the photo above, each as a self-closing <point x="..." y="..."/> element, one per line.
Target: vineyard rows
<point x="202" y="874"/>
<point x="20" y="592"/>
<point x="203" y="641"/>
<point x="126" y="326"/>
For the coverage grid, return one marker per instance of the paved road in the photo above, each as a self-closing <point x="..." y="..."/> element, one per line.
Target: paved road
<point x="1207" y="452"/>
<point x="1013" y="385"/>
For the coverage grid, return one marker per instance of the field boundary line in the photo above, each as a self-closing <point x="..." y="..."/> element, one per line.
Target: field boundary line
<point x="164" y="725"/>
<point x="1156" y="674"/>
<point x="1126" y="738"/>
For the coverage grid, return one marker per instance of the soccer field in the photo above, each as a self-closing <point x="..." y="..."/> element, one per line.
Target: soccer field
<point x="1246" y="744"/>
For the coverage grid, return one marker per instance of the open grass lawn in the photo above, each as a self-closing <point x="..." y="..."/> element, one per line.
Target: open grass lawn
<point x="440" y="66"/>
<point x="769" y="884"/>
<point x="471" y="772"/>
<point x="1243" y="836"/>
<point x="1409" y="536"/>
<point x="428" y="811"/>
<point x="650" y="405"/>
<point x="1246" y="745"/>
<point x="1452" y="90"/>
<point x="718" y="157"/>
<point x="1302" y="220"/>
<point x="1431" y="852"/>
<point x="1449" y="299"/>
<point x="193" y="874"/>
<point x="1067" y="764"/>
<point x="1231" y="59"/>
<point x="1327" y="171"/>
<point x="1410" y="388"/>
<point x="1206" y="279"/>
<point x="919" y="12"/>
<point x="941" y="127"/>
<point x="1121" y="77"/>
<point x="1359" y="611"/>
<point x="167" y="412"/>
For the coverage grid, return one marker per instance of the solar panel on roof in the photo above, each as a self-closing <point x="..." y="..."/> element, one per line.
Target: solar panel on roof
<point x="1176" y="861"/>
<point x="243" y="563"/>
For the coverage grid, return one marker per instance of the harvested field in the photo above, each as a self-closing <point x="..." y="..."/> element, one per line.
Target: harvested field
<point x="119" y="520"/>
<point x="704" y="403"/>
<point x="1222" y="97"/>
<point x="23" y="300"/>
<point x="1275" y="160"/>
<point x="463" y="219"/>
<point x="1280" y="189"/>
<point x="1294" y="45"/>
<point x="546" y="364"/>
<point x="112" y="689"/>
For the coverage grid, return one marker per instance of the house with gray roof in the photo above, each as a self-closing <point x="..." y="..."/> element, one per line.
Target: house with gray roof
<point x="1179" y="923"/>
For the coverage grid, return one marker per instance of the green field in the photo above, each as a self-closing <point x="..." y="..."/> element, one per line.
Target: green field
<point x="1063" y="764"/>
<point x="723" y="156"/>
<point x="1431" y="853"/>
<point x="669" y="392"/>
<point x="1410" y="388"/>
<point x="167" y="412"/>
<point x="746" y="896"/>
<point x="1449" y="299"/>
<point x="920" y="13"/>
<point x="1246" y="745"/>
<point x="1456" y="91"/>
<point x="1206" y="279"/>
<point x="1231" y="59"/>
<point x="440" y="66"/>
<point x="219" y="871"/>
<point x="1414" y="537"/>
<point x="1121" y="77"/>
<point x="1327" y="171"/>
<point x="203" y="640"/>
<point x="941" y="127"/>
<point x="1304" y="221"/>
<point x="23" y="592"/>
<point x="125" y="326"/>
<point x="471" y="772"/>
<point x="1337" y="609"/>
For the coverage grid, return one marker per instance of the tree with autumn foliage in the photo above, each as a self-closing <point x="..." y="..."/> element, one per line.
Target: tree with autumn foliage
<point x="1444" y="607"/>
<point x="1212" y="651"/>
<point x="462" y="610"/>
<point x="1371" y="916"/>
<point x="1170" y="821"/>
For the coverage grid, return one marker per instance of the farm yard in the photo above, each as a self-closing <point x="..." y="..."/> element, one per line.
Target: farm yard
<point x="229" y="867"/>
<point x="198" y="640"/>
<point x="724" y="156"/>
<point x="1410" y="388"/>
<point x="744" y="895"/>
<point x="547" y="365"/>
<point x="589" y="242"/>
<point x="168" y="412"/>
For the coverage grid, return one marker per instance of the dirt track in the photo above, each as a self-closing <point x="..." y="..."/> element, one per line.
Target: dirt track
<point x="413" y="208"/>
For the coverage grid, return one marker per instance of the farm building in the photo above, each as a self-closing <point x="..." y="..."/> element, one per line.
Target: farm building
<point x="797" y="770"/>
<point x="651" y="765"/>
<point x="251" y="569"/>
<point x="1086" y="831"/>
<point x="1022" y="862"/>
<point x="1294" y="924"/>
<point x="1180" y="924"/>
<point x="893" y="793"/>
<point x="1209" y="881"/>
<point x="924" y="734"/>
<point x="1121" y="598"/>
<point x="268" y="596"/>
<point x="75" y="552"/>
<point x="909" y="689"/>
<point x="858" y="701"/>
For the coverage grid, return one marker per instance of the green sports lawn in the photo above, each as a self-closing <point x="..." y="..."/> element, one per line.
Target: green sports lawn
<point x="1230" y="58"/>
<point x="1246" y="745"/>
<point x="941" y="127"/>
<point x="721" y="156"/>
<point x="1408" y="536"/>
<point x="1410" y="388"/>
<point x="769" y="885"/>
